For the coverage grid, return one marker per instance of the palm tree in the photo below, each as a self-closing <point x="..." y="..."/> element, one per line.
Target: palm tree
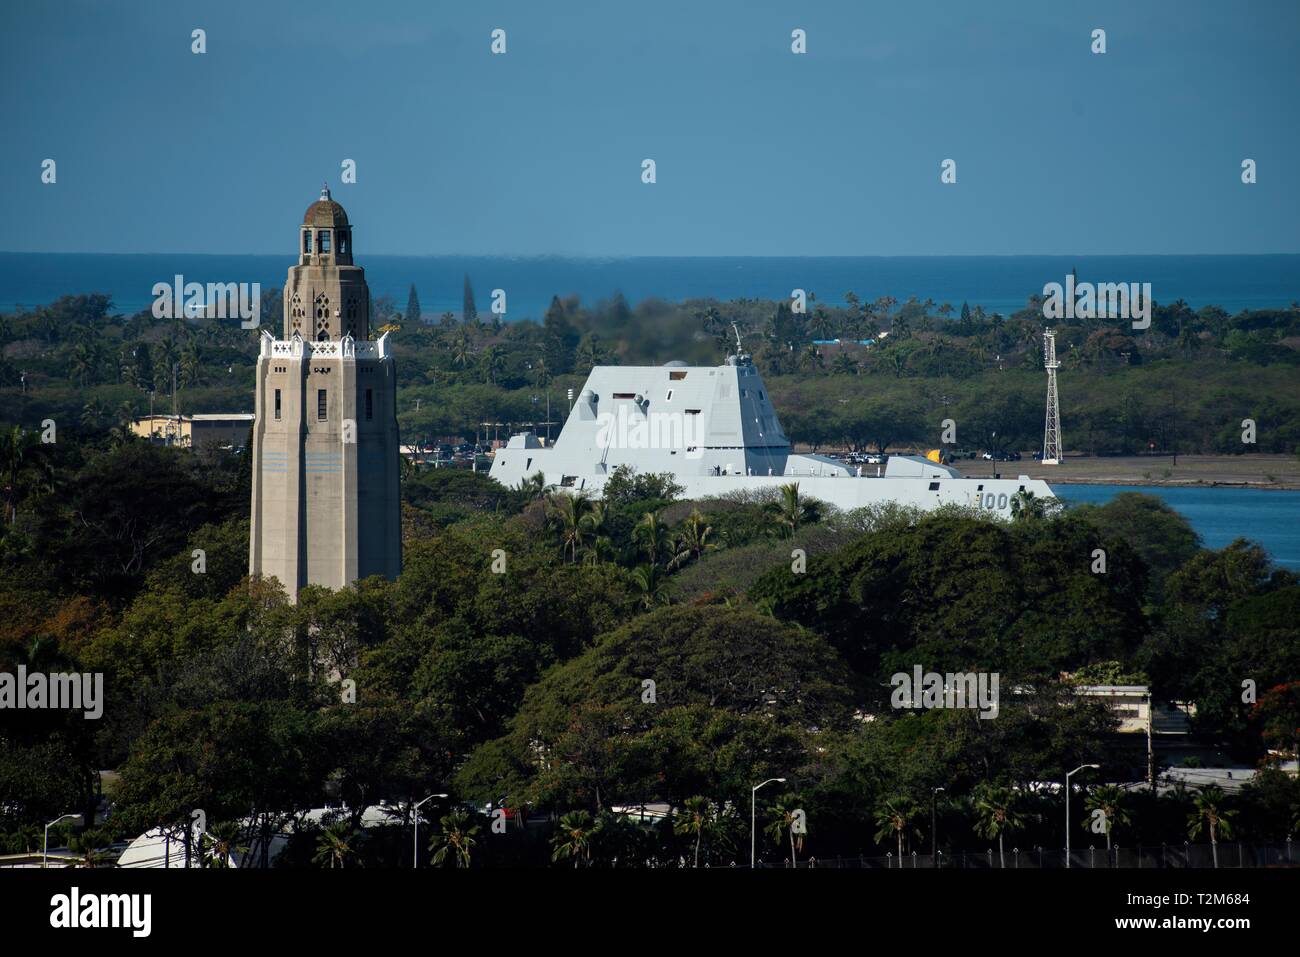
<point x="565" y="512"/>
<point x="844" y="364"/>
<point x="617" y="840"/>
<point x="455" y="840"/>
<point x="461" y="347"/>
<point x="542" y="376"/>
<point x="649" y="582"/>
<point x="92" y="413"/>
<point x="1209" y="814"/>
<point x="18" y="451"/>
<point x="714" y="325"/>
<point x="596" y="524"/>
<point x="821" y="324"/>
<point x="167" y="357"/>
<point x="885" y="304"/>
<point x="121" y="433"/>
<point x="1025" y="506"/>
<point x="93" y="857"/>
<point x="1109" y="799"/>
<point x="136" y="370"/>
<point x="651" y="535"/>
<point x="191" y="363"/>
<point x="937" y="352"/>
<point x="534" y="486"/>
<point x="692" y="541"/>
<point x="789" y="512"/>
<point x="218" y="844"/>
<point x="997" y="815"/>
<point x="787" y="812"/>
<point x="868" y="327"/>
<point x="589" y="352"/>
<point x="82" y="364"/>
<point x="573" y="841"/>
<point x="50" y="327"/>
<point x="894" y="818"/>
<point x="695" y="820"/>
<point x="336" y="846"/>
<point x="492" y="362"/>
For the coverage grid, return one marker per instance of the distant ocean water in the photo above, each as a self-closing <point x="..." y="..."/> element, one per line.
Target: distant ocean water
<point x="998" y="283"/>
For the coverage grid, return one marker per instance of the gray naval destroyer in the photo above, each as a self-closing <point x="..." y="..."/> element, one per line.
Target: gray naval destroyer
<point x="715" y="430"/>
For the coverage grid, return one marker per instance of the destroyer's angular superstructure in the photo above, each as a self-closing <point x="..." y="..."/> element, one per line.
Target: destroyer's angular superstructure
<point x="325" y="506"/>
<point x="716" y="431"/>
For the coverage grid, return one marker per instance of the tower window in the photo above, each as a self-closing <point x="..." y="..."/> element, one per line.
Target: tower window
<point x="321" y="404"/>
<point x="277" y="405"/>
<point x="370" y="404"/>
<point x="343" y="243"/>
<point x="324" y="238"/>
<point x="306" y="240"/>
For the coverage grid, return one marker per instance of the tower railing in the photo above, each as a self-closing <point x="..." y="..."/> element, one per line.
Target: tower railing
<point x="334" y="348"/>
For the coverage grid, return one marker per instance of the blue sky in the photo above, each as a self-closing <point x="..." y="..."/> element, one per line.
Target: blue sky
<point x="759" y="151"/>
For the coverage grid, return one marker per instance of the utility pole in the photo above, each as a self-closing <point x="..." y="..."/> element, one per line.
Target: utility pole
<point x="175" y="433"/>
<point x="753" y="819"/>
<point x="1173" y="421"/>
<point x="1151" y="754"/>
<point x="1067" y="807"/>
<point x="934" y="833"/>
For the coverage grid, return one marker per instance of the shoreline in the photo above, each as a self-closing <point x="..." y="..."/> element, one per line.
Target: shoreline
<point x="1263" y="471"/>
<point x="1153" y="483"/>
<point x="1267" y="472"/>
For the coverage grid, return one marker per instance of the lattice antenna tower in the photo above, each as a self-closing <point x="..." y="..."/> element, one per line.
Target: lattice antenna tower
<point x="1052" y="428"/>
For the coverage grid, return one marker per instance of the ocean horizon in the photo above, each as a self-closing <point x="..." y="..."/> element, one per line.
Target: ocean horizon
<point x="997" y="283"/>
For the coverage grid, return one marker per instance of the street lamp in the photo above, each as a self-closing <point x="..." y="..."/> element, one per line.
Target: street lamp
<point x="415" y="837"/>
<point x="934" y="834"/>
<point x="1067" y="807"/>
<point x="753" y="818"/>
<point x="45" y="848"/>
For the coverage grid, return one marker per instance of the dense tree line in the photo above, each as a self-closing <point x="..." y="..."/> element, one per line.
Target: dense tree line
<point x="1185" y="384"/>
<point x="508" y="667"/>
